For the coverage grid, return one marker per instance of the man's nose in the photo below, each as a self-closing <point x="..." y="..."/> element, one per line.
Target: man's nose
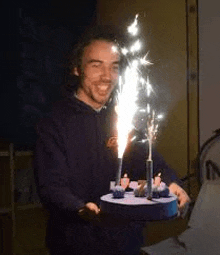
<point x="106" y="73"/>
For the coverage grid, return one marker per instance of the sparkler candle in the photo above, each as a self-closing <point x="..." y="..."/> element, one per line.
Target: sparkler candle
<point x="126" y="109"/>
<point x="151" y="133"/>
<point x="149" y="162"/>
<point x="127" y="96"/>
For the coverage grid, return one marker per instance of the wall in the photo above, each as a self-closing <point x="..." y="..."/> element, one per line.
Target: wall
<point x="163" y="24"/>
<point x="209" y="41"/>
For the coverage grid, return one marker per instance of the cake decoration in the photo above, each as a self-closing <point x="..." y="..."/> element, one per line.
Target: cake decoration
<point x="159" y="188"/>
<point x="118" y="191"/>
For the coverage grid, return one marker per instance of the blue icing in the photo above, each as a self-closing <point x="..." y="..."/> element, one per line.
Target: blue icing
<point x="118" y="192"/>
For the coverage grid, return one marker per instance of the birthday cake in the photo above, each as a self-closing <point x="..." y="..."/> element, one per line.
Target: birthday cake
<point x="135" y="205"/>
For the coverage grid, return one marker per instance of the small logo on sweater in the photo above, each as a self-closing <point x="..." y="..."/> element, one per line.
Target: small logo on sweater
<point x="112" y="143"/>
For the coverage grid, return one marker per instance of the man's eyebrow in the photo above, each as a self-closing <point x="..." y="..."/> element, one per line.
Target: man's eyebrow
<point x="94" y="61"/>
<point x="99" y="61"/>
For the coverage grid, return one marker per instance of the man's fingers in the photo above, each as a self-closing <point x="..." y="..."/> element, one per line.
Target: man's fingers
<point x="184" y="209"/>
<point x="93" y="208"/>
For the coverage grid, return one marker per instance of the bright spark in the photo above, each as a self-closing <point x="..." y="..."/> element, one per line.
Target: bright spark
<point x="144" y="61"/>
<point x="142" y="80"/>
<point x="148" y="87"/>
<point x="133" y="29"/>
<point x="133" y="138"/>
<point x="160" y="116"/>
<point x="126" y="108"/>
<point x="148" y="108"/>
<point x="114" y="49"/>
<point x="134" y="64"/>
<point x="124" y="51"/>
<point x="136" y="46"/>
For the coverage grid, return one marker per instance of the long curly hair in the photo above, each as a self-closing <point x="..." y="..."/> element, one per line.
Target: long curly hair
<point x="75" y="55"/>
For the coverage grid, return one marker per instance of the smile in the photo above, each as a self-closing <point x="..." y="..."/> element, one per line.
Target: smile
<point x="103" y="88"/>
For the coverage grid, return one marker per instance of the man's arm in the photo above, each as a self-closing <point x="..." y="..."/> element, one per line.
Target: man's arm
<point x="51" y="169"/>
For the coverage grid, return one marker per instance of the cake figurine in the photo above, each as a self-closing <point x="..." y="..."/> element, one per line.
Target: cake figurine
<point x="118" y="191"/>
<point x="159" y="188"/>
<point x="125" y="181"/>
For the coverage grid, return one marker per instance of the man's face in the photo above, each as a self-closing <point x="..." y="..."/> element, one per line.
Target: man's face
<point x="99" y="73"/>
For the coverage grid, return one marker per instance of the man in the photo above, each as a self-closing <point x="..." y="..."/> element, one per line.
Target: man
<point x="74" y="163"/>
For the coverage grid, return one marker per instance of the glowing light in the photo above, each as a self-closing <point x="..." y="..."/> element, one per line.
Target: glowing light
<point x="144" y="61"/>
<point x="134" y="64"/>
<point x="114" y="49"/>
<point x="150" y="132"/>
<point x="148" y="108"/>
<point x="160" y="116"/>
<point x="127" y="97"/>
<point x="133" y="29"/>
<point x="126" y="107"/>
<point x="142" y="80"/>
<point x="133" y="138"/>
<point x="124" y="51"/>
<point x="136" y="46"/>
<point x="148" y="87"/>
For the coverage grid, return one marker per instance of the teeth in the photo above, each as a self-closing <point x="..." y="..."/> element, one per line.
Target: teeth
<point x="103" y="87"/>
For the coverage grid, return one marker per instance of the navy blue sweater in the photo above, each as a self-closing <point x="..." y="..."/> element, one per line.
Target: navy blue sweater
<point x="74" y="166"/>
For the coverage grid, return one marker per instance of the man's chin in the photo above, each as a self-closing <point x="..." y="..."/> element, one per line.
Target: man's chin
<point x="102" y="102"/>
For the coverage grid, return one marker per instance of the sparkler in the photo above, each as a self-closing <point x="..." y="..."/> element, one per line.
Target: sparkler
<point x="151" y="132"/>
<point x="127" y="96"/>
<point x="127" y="107"/>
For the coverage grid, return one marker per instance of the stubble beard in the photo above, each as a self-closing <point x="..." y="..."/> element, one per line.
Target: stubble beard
<point x="96" y="92"/>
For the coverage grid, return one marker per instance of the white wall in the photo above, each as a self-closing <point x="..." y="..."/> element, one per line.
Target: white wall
<point x="209" y="51"/>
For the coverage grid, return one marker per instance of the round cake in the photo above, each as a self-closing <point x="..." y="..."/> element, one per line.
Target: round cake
<point x="140" y="208"/>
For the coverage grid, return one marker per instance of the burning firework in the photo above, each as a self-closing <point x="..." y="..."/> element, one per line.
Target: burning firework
<point x="129" y="84"/>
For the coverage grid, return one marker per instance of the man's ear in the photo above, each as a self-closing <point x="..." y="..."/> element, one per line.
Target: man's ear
<point x="77" y="71"/>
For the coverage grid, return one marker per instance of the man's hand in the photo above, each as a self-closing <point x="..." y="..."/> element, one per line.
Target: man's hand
<point x="183" y="198"/>
<point x="89" y="212"/>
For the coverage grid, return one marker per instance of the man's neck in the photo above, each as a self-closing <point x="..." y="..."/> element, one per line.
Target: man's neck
<point x="95" y="109"/>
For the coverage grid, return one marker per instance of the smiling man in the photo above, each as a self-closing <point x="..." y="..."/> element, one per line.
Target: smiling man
<point x="98" y="73"/>
<point x="74" y="162"/>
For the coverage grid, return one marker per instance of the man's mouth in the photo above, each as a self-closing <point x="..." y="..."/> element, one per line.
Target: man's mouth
<point x="102" y="89"/>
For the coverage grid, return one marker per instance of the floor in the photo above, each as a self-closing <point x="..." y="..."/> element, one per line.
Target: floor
<point x="30" y="232"/>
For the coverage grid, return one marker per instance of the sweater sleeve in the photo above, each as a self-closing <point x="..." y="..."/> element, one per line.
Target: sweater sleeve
<point x="167" y="173"/>
<point x="52" y="171"/>
<point x="134" y="163"/>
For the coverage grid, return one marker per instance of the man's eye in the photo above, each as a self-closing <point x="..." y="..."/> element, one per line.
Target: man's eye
<point x="96" y="65"/>
<point x="115" y="68"/>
